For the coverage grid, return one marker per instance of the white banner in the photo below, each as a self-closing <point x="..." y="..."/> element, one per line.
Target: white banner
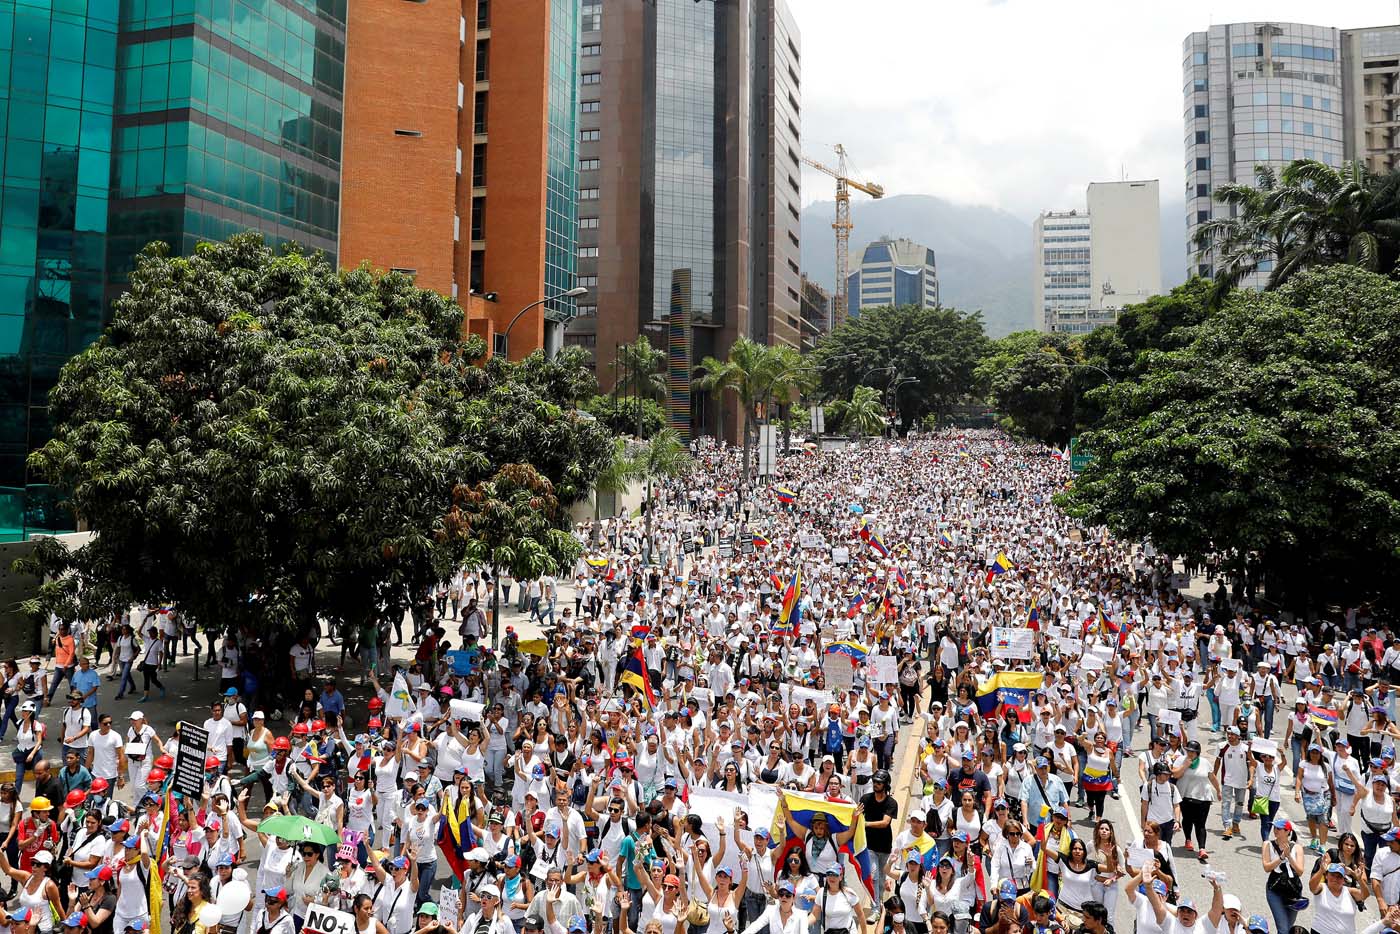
<point x="1012" y="642"/>
<point x="710" y="804"/>
<point x="1070" y="646"/>
<point x="810" y="540"/>
<point x="841" y="555"/>
<point x="466" y="710"/>
<point x="792" y="694"/>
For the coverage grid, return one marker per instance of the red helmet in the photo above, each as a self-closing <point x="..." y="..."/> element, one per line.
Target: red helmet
<point x="155" y="776"/>
<point x="281" y="744"/>
<point x="375" y="723"/>
<point x="376" y="704"/>
<point x="98" y="786"/>
<point x="75" y="797"/>
<point x="211" y="763"/>
<point x="166" y="761"/>
<point x="318" y="726"/>
<point x="300" y="729"/>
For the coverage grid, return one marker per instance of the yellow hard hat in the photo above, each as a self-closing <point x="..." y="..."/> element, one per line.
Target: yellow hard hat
<point x="40" y="803"/>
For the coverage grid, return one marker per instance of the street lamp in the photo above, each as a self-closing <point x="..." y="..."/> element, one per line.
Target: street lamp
<point x="577" y="291"/>
<point x="1073" y="366"/>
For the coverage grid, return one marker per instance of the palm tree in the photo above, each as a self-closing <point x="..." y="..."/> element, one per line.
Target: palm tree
<point x="664" y="456"/>
<point x="863" y="413"/>
<point x="640" y="365"/>
<point x="719" y="376"/>
<point x="756" y="373"/>
<point x="1251" y="236"/>
<point x="1345" y="215"/>
<point x="613" y="478"/>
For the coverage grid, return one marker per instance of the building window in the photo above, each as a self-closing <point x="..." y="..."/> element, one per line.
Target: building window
<point x="588" y="252"/>
<point x="588" y="281"/>
<point x="1202" y="136"/>
<point x="590" y="136"/>
<point x="1202" y="216"/>
<point x="479" y="165"/>
<point x="479" y="112"/>
<point x="1201" y="110"/>
<point x="1261" y="98"/>
<point x="587" y="311"/>
<point x="587" y="223"/>
<point x="483" y="14"/>
<point x="590" y="22"/>
<point x="408" y="133"/>
<point x="1247" y="49"/>
<point x="1261" y="126"/>
<point x="482" y="58"/>
<point x="591" y="77"/>
<point x="1202" y="191"/>
<point x="590" y="107"/>
<point x="588" y="165"/>
<point x="592" y="49"/>
<point x="478" y="218"/>
<point x="581" y="340"/>
<point x="1200" y="84"/>
<point x="404" y="269"/>
<point x="1286" y="99"/>
<point x="1261" y="153"/>
<point x="1198" y="58"/>
<point x="588" y="194"/>
<point x="1202" y="163"/>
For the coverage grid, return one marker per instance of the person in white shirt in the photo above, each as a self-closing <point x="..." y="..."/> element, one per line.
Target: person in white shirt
<point x="220" y="734"/>
<point x="105" y="757"/>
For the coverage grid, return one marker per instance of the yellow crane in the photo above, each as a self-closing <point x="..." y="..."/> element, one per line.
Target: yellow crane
<point x="842" y="224"/>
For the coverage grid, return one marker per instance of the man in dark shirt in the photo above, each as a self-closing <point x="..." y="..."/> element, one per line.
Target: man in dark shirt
<point x="99" y="903"/>
<point x="970" y="778"/>
<point x="880" y="810"/>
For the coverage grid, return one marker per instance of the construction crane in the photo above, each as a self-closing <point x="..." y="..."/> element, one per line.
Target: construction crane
<point x="842" y="224"/>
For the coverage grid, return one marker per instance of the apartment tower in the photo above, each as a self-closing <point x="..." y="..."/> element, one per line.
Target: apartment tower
<point x="893" y="272"/>
<point x="459" y="160"/>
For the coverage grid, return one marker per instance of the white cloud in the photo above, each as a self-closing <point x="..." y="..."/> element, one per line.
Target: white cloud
<point x="1017" y="104"/>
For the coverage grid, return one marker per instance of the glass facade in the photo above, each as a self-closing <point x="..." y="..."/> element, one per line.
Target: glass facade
<point x="561" y="206"/>
<point x="57" y="65"/>
<point x="127" y="121"/>
<point x="684" y="206"/>
<point x="228" y="118"/>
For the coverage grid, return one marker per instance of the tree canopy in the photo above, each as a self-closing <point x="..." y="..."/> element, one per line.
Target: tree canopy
<point x="259" y="438"/>
<point x="1273" y="432"/>
<point x="930" y="353"/>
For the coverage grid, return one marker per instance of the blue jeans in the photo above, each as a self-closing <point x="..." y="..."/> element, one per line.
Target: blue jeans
<point x="21" y="760"/>
<point x="1284" y="913"/>
<point x="1234" y="802"/>
<point x="1266" y="821"/>
<point x="426" y="872"/>
<point x="126" y="679"/>
<point x="11" y="703"/>
<point x="1268" y="716"/>
<point x="58" y="675"/>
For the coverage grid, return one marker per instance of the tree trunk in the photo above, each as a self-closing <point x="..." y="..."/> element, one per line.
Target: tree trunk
<point x="744" y="480"/>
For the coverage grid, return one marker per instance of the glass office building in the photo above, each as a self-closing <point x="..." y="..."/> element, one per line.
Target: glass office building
<point x="127" y="121"/>
<point x="561" y="170"/>
<point x="57" y="68"/>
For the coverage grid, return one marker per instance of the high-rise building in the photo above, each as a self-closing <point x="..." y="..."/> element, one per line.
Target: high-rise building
<point x="1371" y="96"/>
<point x="816" y="313"/>
<point x="1089" y="265"/>
<point x="459" y="156"/>
<point x="893" y="272"/>
<point x="128" y="123"/>
<point x="689" y="184"/>
<point x="1256" y="94"/>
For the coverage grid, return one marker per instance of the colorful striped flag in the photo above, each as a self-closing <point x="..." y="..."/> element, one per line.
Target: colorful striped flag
<point x="853" y="607"/>
<point x="944" y="541"/>
<point x="878" y="546"/>
<point x="852" y="650"/>
<point x="840" y="817"/>
<point x="760" y="542"/>
<point x="635" y="674"/>
<point x="790" y="616"/>
<point x="1000" y="565"/>
<point x="785" y="495"/>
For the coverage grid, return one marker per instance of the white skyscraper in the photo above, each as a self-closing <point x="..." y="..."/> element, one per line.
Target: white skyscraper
<point x="1091" y="264"/>
<point x="893" y="272"/>
<point x="1256" y="94"/>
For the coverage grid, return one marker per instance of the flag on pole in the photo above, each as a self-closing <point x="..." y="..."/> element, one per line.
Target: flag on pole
<point x="785" y="495"/>
<point x="1034" y="621"/>
<point x="854" y="606"/>
<point x="944" y="541"/>
<point x="635" y="674"/>
<point x="760" y="542"/>
<point x="878" y="546"/>
<point x="1000" y="565"/>
<point x="790" y="616"/>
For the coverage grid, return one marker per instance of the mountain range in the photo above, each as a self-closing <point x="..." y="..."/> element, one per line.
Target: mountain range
<point x="983" y="253"/>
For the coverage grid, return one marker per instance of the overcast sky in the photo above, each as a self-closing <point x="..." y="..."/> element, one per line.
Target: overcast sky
<point x="1018" y="104"/>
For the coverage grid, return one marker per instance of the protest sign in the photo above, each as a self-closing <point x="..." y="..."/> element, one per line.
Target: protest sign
<point x="323" y="920"/>
<point x="189" y="761"/>
<point x="1012" y="642"/>
<point x="883" y="669"/>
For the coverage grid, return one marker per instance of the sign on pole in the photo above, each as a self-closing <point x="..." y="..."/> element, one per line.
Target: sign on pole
<point x="189" y="761"/>
<point x="1079" y="457"/>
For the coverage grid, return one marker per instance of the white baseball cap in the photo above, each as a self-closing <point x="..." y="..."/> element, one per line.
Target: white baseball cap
<point x="137" y="715"/>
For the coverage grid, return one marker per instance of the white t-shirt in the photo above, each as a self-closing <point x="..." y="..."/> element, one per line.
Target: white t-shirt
<point x="104" y="754"/>
<point x="220" y="735"/>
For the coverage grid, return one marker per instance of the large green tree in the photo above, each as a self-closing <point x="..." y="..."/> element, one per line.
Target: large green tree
<point x="264" y="440"/>
<point x="862" y="414"/>
<point x="926" y="356"/>
<point x="1273" y="433"/>
<point x="1029" y="379"/>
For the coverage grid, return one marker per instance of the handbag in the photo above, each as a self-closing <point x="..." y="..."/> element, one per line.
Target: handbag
<point x="1259" y="806"/>
<point x="697" y="915"/>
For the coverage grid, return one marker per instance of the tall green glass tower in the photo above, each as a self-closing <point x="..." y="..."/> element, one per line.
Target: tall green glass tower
<point x="127" y="121"/>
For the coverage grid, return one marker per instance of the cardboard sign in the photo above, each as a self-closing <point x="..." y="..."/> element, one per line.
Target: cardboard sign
<point x="839" y="672"/>
<point x="1230" y="664"/>
<point x="810" y="540"/>
<point x="323" y="920"/>
<point x="1013" y="642"/>
<point x="1139" y="856"/>
<point x="1169" y="718"/>
<point x="748" y="547"/>
<point x="1070" y="646"/>
<point x="189" y="761"/>
<point x="882" y="669"/>
<point x="841" y="555"/>
<point x="726" y="547"/>
<point x="449" y="902"/>
<point x="466" y="710"/>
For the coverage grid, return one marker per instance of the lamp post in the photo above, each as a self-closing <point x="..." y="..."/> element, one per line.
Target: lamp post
<point x="577" y="291"/>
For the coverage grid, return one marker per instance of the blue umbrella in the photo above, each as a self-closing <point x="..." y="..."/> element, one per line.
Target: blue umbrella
<point x="856" y="508"/>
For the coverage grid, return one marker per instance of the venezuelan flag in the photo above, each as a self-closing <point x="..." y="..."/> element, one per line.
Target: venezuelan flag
<point x="641" y="631"/>
<point x="536" y="647"/>
<point x="900" y="579"/>
<point x="863" y="530"/>
<point x="878" y="546"/>
<point x="760" y="542"/>
<point x="1062" y="845"/>
<point x="854" y="606"/>
<point x="791" y="614"/>
<point x="944" y="541"/>
<point x="1323" y="716"/>
<point x="635" y="674"/>
<point x="986" y="464"/>
<point x="926" y="847"/>
<point x="1000" y="565"/>
<point x="784" y="495"/>
<point x="1034" y="621"/>
<point x="852" y="650"/>
<point x="1012" y="688"/>
<point x="840" y="817"/>
<point x="597" y="564"/>
<point x="455" y="836"/>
